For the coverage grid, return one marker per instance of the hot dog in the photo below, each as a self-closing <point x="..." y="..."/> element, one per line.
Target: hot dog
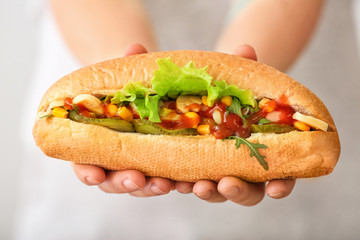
<point x="186" y="116"/>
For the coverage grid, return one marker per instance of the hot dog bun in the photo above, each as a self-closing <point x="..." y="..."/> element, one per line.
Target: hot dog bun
<point x="189" y="158"/>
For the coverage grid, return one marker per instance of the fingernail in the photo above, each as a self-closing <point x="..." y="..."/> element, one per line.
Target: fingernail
<point x="205" y="195"/>
<point x="276" y="194"/>
<point x="231" y="191"/>
<point x="156" y="189"/>
<point x="130" y="185"/>
<point x="92" y="181"/>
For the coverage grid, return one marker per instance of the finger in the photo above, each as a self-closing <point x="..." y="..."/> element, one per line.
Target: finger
<point x="184" y="187"/>
<point x="133" y="49"/>
<point x="155" y="186"/>
<point x="280" y="188"/>
<point x="240" y="192"/>
<point x="207" y="190"/>
<point x="88" y="174"/>
<point x="245" y="51"/>
<point x="123" y="181"/>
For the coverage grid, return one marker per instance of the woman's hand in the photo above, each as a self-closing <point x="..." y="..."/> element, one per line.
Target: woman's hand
<point x="228" y="188"/>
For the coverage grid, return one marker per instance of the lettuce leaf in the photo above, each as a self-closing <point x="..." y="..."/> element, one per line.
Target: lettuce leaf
<point x="171" y="80"/>
<point x="152" y="104"/>
<point x="221" y="89"/>
<point x="131" y="91"/>
<point x="141" y="108"/>
<point x="148" y="107"/>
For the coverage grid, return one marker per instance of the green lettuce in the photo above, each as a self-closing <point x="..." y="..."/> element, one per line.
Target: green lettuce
<point x="131" y="91"/>
<point x="171" y="80"/>
<point x="148" y="107"/>
<point x="140" y="108"/>
<point x="152" y="103"/>
<point x="222" y="89"/>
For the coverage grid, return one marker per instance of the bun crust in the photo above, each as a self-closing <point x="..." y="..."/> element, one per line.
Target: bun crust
<point x="189" y="158"/>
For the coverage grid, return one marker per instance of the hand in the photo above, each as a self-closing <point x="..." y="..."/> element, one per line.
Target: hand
<point x="129" y="181"/>
<point x="228" y="188"/>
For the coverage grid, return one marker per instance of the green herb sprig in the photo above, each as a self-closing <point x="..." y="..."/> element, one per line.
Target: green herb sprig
<point x="253" y="150"/>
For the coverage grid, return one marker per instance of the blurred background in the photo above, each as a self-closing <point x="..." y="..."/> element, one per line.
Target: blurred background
<point x="324" y="208"/>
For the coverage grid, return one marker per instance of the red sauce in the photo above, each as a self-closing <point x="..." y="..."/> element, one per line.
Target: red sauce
<point x="68" y="103"/>
<point x="254" y="118"/>
<point x="84" y="112"/>
<point x="282" y="114"/>
<point x="207" y="112"/>
<point x="170" y="105"/>
<point x="222" y="131"/>
<point x="283" y="100"/>
<point x="232" y="125"/>
<point x="232" y="120"/>
<point x="135" y="114"/>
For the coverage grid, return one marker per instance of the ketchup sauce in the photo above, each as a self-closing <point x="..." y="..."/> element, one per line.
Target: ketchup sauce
<point x="182" y="123"/>
<point x="84" y="112"/>
<point x="231" y="123"/>
<point x="68" y="103"/>
<point x="282" y="114"/>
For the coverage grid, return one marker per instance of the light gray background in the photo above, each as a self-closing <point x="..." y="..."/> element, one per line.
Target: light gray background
<point x="324" y="208"/>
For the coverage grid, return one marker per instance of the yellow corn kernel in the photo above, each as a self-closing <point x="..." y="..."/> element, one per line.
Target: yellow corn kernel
<point x="204" y="100"/>
<point x="194" y="117"/>
<point x="111" y="110"/>
<point x="125" y="114"/>
<point x="263" y="102"/>
<point x="59" y="112"/>
<point x="301" y="126"/>
<point x="203" y="129"/>
<point x="269" y="106"/>
<point x="226" y="100"/>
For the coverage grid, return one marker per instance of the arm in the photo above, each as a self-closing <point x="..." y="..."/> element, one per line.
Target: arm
<point x="277" y="29"/>
<point x="96" y="30"/>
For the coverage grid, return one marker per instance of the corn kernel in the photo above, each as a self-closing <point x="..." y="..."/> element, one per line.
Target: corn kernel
<point x="203" y="129"/>
<point x="301" y="126"/>
<point x="125" y="114"/>
<point x="269" y="106"/>
<point x="226" y="100"/>
<point x="204" y="100"/>
<point x="262" y="102"/>
<point x="111" y="110"/>
<point x="59" y="112"/>
<point x="194" y="117"/>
